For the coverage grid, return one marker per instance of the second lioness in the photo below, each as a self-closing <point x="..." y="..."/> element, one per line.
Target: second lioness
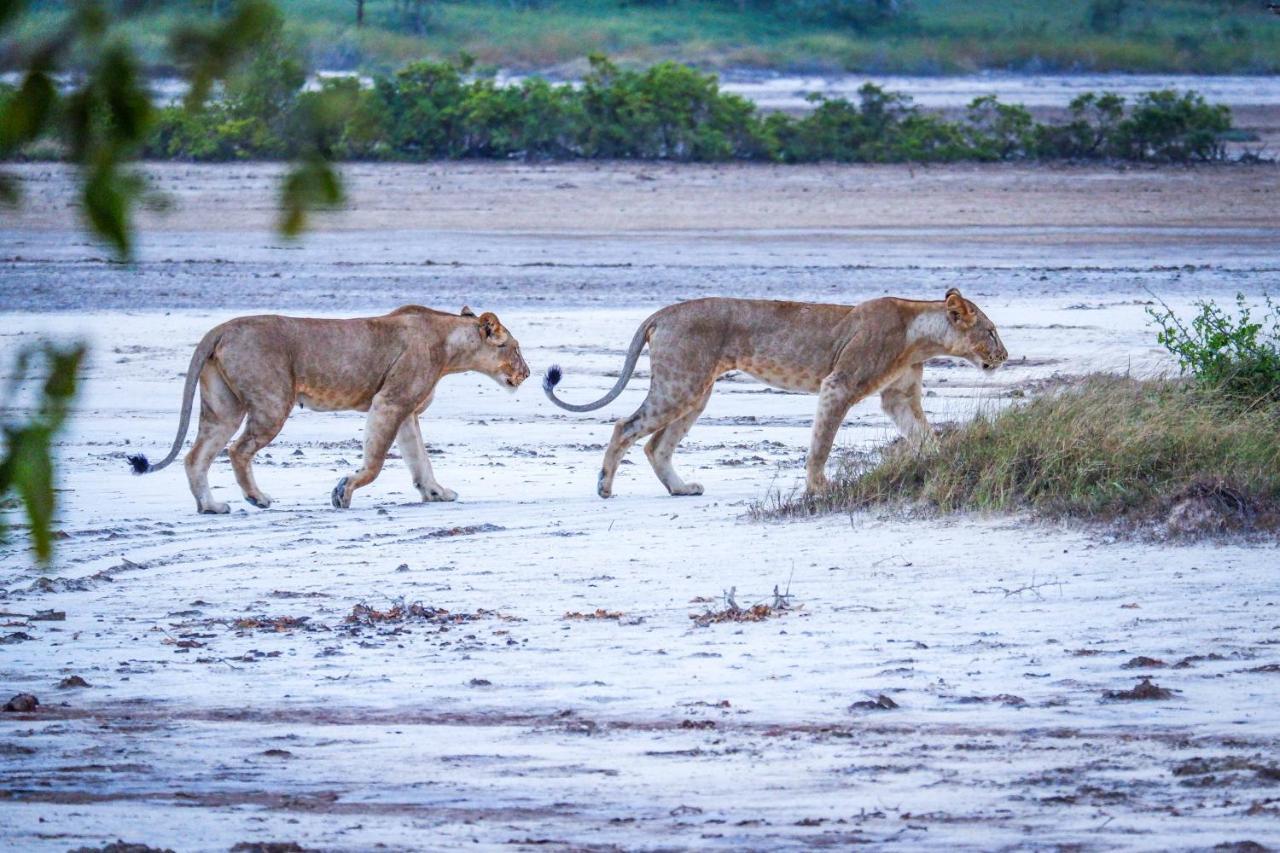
<point x="255" y="369"/>
<point x="841" y="352"/>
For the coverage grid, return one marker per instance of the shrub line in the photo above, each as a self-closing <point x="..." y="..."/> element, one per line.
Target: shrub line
<point x="436" y="110"/>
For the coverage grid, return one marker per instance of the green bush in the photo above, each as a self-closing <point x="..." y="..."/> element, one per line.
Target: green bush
<point x="1090" y="134"/>
<point x="669" y="111"/>
<point x="1226" y="351"/>
<point x="256" y="116"/>
<point x="1173" y="128"/>
<point x="999" y="131"/>
<point x="441" y="110"/>
<point x="423" y="115"/>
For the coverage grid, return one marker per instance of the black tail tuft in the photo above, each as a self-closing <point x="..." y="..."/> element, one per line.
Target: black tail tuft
<point x="552" y="379"/>
<point x="139" y="464"/>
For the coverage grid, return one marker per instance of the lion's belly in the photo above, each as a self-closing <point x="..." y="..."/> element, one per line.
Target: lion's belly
<point x="330" y="401"/>
<point x="788" y="377"/>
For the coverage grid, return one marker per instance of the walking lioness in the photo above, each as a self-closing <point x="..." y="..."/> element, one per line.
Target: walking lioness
<point x="841" y="352"/>
<point x="386" y="366"/>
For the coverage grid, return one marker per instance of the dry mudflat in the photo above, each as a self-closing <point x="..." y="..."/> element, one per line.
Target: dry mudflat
<point x="532" y="667"/>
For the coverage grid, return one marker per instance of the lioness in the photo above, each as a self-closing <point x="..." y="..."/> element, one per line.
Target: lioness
<point x="841" y="352"/>
<point x="387" y="366"/>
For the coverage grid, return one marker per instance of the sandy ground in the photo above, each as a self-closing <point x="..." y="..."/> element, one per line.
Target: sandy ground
<point x="230" y="700"/>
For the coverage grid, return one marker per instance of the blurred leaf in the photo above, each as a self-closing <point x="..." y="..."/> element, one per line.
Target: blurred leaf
<point x="10" y="10"/>
<point x="28" y="471"/>
<point x="27" y="111"/>
<point x="91" y="18"/>
<point x="107" y="196"/>
<point x="27" y="465"/>
<point x="127" y="103"/>
<point x="9" y="193"/>
<point x="208" y="51"/>
<point x="311" y="183"/>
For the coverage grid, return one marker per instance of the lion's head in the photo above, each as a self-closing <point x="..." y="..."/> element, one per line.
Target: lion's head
<point x="498" y="355"/>
<point x="974" y="336"/>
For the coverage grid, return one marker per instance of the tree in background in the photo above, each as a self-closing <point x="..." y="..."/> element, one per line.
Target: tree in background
<point x="856" y="14"/>
<point x="1105" y="16"/>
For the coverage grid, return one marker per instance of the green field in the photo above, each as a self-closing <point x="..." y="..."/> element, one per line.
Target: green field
<point x="925" y="37"/>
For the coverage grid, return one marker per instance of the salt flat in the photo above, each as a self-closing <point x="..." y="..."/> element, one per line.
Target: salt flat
<point x="231" y="699"/>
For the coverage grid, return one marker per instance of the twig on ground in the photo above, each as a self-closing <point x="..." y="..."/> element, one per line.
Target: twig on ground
<point x="1033" y="587"/>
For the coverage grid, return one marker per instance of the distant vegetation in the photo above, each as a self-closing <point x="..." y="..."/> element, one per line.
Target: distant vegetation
<point x="875" y="36"/>
<point x="432" y="111"/>
<point x="1108" y="447"/>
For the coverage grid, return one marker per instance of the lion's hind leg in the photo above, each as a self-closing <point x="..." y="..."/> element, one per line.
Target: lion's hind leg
<point x="663" y="444"/>
<point x="266" y="419"/>
<point x="678" y="385"/>
<point x="220" y="415"/>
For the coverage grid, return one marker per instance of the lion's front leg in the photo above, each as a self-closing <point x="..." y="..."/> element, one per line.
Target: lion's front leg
<point x="839" y="391"/>
<point x="901" y="401"/>
<point x="385" y="418"/>
<point x="409" y="440"/>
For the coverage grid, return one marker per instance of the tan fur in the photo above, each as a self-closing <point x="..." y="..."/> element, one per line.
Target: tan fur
<point x="841" y="353"/>
<point x="256" y="369"/>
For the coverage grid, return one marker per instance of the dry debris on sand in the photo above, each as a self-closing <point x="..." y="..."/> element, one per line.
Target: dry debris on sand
<point x="1145" y="689"/>
<point x="23" y="703"/>
<point x="733" y="612"/>
<point x="599" y="614"/>
<point x="880" y="703"/>
<point x="400" y="611"/>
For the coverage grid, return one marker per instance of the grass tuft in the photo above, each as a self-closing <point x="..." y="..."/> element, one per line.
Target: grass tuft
<point x="1106" y="448"/>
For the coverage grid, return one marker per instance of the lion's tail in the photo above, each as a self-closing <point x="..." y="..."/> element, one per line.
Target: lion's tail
<point x="554" y="374"/>
<point x="203" y="350"/>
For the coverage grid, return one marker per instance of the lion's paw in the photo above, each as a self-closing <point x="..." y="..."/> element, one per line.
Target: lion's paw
<point x="440" y="494"/>
<point x="340" y="499"/>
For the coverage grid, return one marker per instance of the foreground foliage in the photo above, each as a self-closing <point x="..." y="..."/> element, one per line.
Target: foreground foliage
<point x="432" y="110"/>
<point x="105" y="116"/>
<point x="26" y="461"/>
<point x="1103" y="448"/>
<point x="99" y="118"/>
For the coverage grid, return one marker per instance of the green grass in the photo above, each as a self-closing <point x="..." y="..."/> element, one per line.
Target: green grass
<point x="1102" y="448"/>
<point x="937" y="37"/>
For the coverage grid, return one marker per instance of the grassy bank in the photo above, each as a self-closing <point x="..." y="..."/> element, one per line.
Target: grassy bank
<point x="922" y="36"/>
<point x="1103" y="448"/>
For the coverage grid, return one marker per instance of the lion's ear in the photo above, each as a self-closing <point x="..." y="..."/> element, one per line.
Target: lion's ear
<point x="467" y="312"/>
<point x="958" y="309"/>
<point x="489" y="324"/>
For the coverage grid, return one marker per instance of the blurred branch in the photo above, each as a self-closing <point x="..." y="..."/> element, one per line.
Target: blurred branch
<point x="104" y="119"/>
